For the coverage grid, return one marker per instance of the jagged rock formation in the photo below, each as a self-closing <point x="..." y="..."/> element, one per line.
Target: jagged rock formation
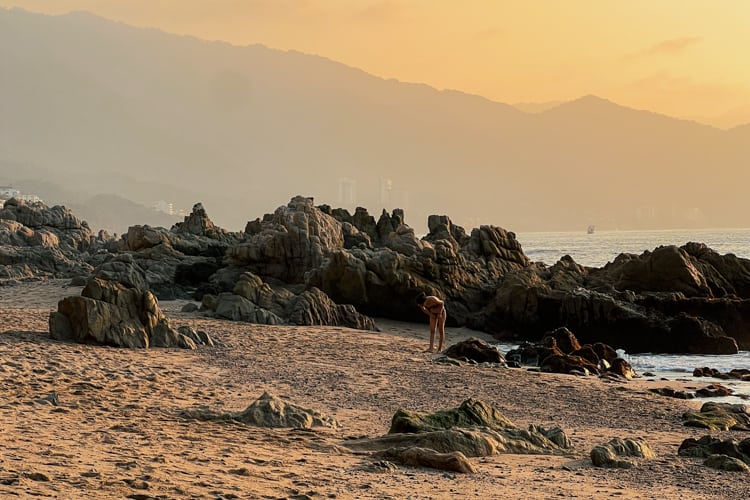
<point x="169" y="262"/>
<point x="672" y="299"/>
<point x="109" y="313"/>
<point x="255" y="301"/>
<point x="39" y="241"/>
<point x="687" y="299"/>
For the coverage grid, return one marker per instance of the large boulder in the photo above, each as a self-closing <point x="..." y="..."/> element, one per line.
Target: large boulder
<point x="111" y="314"/>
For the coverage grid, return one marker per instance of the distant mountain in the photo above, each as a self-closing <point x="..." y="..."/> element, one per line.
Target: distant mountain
<point x="99" y="107"/>
<point x="536" y="107"/>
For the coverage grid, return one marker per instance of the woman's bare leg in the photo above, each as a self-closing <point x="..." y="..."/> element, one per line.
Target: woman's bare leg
<point x="441" y="329"/>
<point x="433" y="327"/>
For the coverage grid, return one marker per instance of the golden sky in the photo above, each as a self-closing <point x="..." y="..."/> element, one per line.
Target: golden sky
<point x="686" y="58"/>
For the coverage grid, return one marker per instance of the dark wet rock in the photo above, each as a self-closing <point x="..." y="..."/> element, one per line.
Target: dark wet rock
<point x="708" y="445"/>
<point x="719" y="416"/>
<point x="476" y="350"/>
<point x="564" y="339"/>
<point x="714" y="391"/>
<point x="110" y="313"/>
<point x="736" y="373"/>
<point x="672" y="393"/>
<point x="606" y="455"/>
<point x="688" y="307"/>
<point x="567" y="364"/>
<point x="622" y="368"/>
<point x="268" y="411"/>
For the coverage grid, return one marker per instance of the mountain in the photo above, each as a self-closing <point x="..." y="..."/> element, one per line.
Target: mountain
<point x="98" y="107"/>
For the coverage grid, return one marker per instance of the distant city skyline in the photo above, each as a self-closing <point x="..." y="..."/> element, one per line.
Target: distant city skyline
<point x="640" y="54"/>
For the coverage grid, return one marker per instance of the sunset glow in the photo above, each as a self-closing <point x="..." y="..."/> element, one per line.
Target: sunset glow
<point x="684" y="58"/>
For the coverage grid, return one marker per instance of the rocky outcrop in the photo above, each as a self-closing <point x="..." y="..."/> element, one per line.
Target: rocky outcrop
<point x="682" y="300"/>
<point x="109" y="313"/>
<point x="38" y="241"/>
<point x="686" y="299"/>
<point x="171" y="263"/>
<point x="255" y="301"/>
<point x="475" y="429"/>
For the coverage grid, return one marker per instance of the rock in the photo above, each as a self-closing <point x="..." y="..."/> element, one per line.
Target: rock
<point x="471" y="413"/>
<point x="269" y="411"/>
<point x="38" y="241"/>
<point x="189" y="308"/>
<point x="472" y="442"/>
<point x="564" y="363"/>
<point x="605" y="455"/>
<point x="719" y="416"/>
<point x="564" y="339"/>
<point x="714" y="391"/>
<point x="622" y="368"/>
<point x="475" y="349"/>
<point x="111" y="314"/>
<point x="238" y="308"/>
<point x="444" y="438"/>
<point x="313" y="307"/>
<point x="723" y="462"/>
<point x="289" y="242"/>
<point x="424" y="457"/>
<point x="672" y="393"/>
<point x="708" y="445"/>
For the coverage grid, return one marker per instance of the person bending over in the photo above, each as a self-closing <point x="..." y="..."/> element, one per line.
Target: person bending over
<point x="435" y="309"/>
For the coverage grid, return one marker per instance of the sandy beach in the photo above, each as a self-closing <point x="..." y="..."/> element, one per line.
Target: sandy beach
<point x="117" y="431"/>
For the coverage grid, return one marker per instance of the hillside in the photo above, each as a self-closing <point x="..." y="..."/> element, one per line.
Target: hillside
<point x="98" y="107"/>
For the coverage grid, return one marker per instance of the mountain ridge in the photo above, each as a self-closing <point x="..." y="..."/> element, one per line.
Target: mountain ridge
<point x="244" y="128"/>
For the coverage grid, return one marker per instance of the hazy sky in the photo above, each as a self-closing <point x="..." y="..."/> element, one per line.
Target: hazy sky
<point x="684" y="58"/>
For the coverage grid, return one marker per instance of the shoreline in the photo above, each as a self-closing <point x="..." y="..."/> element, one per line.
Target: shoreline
<point x="117" y="431"/>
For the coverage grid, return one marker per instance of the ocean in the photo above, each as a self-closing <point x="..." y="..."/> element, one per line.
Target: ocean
<point x="600" y="247"/>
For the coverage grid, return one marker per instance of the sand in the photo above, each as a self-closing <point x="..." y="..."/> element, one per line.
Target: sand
<point x="117" y="431"/>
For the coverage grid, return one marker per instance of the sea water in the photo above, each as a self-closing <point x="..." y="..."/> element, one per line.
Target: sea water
<point x="599" y="248"/>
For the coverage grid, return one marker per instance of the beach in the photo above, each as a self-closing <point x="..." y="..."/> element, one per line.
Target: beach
<point x="82" y="421"/>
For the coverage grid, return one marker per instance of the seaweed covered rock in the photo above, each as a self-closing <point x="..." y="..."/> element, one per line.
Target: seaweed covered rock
<point x="719" y="417"/>
<point x="474" y="429"/>
<point x="471" y="413"/>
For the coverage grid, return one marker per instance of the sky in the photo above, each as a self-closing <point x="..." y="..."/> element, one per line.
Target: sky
<point x="683" y="58"/>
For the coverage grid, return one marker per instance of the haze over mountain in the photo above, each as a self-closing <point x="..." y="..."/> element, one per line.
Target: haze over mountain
<point x="94" y="107"/>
